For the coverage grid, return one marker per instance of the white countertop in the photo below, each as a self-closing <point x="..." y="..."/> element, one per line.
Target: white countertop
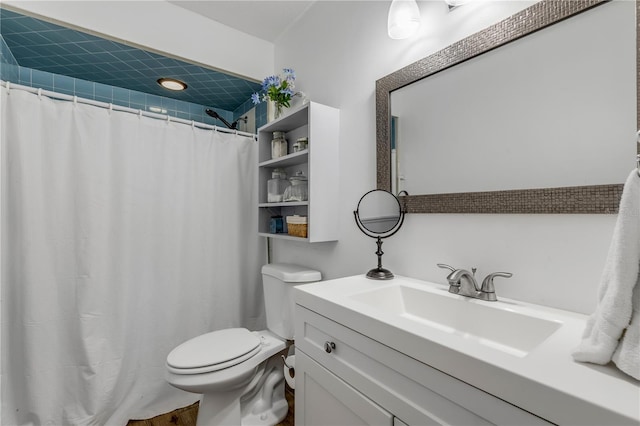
<point x="546" y="381"/>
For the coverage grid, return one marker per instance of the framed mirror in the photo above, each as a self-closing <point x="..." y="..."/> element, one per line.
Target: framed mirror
<point x="535" y="114"/>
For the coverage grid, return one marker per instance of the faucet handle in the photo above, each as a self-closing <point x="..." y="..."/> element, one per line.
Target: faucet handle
<point x="453" y="270"/>
<point x="454" y="285"/>
<point x="487" y="283"/>
<point x="445" y="266"/>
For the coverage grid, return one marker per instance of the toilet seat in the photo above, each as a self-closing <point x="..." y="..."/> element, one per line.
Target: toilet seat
<point x="214" y="351"/>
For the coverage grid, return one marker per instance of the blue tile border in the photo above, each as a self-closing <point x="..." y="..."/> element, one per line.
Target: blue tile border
<point x="64" y="84"/>
<point x="53" y="48"/>
<point x="112" y="94"/>
<point x="6" y="56"/>
<point x="8" y="64"/>
<point x="42" y="79"/>
<point x="59" y="83"/>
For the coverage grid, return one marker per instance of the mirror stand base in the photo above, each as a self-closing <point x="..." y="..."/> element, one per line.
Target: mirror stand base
<point x="380" y="274"/>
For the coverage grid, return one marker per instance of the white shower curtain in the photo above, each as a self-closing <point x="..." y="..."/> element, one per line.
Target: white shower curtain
<point x="122" y="236"/>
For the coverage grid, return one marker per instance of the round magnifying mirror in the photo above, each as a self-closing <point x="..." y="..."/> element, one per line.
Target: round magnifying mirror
<point x="379" y="215"/>
<point x="379" y="211"/>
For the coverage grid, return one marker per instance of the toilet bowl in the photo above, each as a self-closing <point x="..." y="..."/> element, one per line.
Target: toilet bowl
<point x="237" y="371"/>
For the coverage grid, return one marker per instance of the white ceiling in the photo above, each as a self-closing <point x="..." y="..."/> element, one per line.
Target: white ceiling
<point x="265" y="19"/>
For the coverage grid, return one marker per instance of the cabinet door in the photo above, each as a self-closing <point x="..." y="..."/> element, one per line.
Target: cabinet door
<point x="322" y="399"/>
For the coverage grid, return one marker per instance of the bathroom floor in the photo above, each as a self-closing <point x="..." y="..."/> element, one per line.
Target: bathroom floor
<point x="186" y="416"/>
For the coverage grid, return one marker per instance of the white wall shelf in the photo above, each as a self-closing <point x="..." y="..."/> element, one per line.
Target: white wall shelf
<point x="282" y="236"/>
<point x="285" y="204"/>
<point x="299" y="157"/>
<point x="320" y="124"/>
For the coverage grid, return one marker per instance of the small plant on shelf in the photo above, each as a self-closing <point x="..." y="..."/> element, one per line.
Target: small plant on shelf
<point x="278" y="89"/>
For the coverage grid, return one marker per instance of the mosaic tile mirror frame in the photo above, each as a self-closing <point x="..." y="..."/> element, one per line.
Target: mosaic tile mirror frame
<point x="592" y="199"/>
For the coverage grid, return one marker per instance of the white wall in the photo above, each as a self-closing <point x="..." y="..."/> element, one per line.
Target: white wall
<point x="339" y="50"/>
<point x="161" y="27"/>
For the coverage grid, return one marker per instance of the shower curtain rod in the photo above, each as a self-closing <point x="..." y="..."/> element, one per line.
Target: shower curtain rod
<point x="54" y="95"/>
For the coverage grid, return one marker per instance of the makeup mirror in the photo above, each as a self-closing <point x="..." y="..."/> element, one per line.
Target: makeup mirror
<point x="379" y="215"/>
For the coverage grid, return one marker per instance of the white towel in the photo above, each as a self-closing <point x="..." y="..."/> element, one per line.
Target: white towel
<point x="613" y="330"/>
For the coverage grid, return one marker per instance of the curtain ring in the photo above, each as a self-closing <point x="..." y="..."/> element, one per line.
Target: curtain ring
<point x="40" y="92"/>
<point x="193" y="124"/>
<point x="110" y="108"/>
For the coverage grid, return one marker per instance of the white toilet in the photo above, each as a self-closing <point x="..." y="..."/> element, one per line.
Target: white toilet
<point x="237" y="370"/>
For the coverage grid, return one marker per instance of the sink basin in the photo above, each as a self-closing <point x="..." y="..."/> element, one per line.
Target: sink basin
<point x="492" y="324"/>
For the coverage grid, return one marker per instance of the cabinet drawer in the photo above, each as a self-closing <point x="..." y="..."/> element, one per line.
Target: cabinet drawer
<point x="325" y="400"/>
<point x="411" y="390"/>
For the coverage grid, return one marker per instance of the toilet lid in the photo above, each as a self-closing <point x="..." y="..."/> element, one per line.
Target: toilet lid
<point x="215" y="351"/>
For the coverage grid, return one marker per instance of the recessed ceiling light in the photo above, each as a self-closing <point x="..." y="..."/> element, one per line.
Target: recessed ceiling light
<point x="172" y="84"/>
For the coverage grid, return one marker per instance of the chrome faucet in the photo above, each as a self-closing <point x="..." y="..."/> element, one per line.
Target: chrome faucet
<point x="461" y="281"/>
<point x="464" y="283"/>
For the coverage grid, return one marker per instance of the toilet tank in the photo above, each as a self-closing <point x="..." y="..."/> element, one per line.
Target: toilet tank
<point x="278" y="280"/>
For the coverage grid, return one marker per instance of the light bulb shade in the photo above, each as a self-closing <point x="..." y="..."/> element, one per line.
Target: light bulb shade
<point x="404" y="19"/>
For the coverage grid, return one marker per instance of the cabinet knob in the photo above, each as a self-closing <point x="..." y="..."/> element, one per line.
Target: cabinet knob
<point x="329" y="347"/>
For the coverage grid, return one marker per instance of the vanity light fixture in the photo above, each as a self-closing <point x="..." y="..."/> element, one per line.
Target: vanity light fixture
<point x="455" y="3"/>
<point x="404" y="19"/>
<point x="172" y="84"/>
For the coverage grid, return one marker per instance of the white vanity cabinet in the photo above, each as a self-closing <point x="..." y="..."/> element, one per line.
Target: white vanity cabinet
<point x="319" y="162"/>
<point x="344" y="377"/>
